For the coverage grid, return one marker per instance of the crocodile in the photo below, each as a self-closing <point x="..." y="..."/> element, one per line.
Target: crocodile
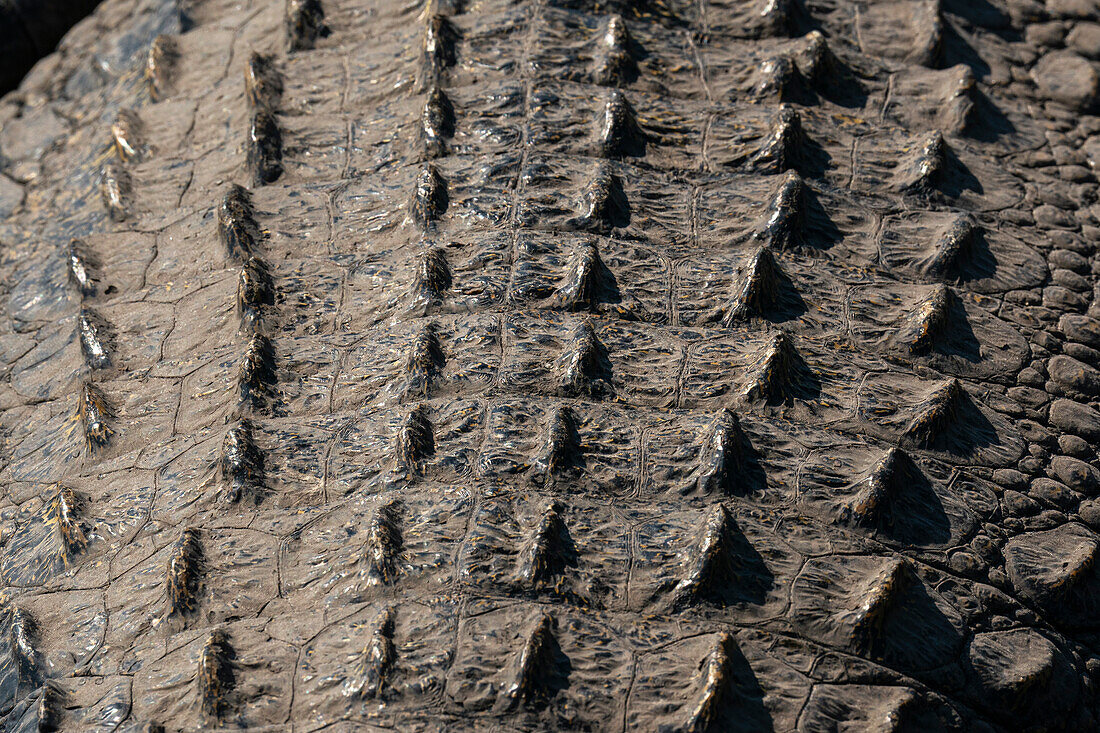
<point x="553" y="365"/>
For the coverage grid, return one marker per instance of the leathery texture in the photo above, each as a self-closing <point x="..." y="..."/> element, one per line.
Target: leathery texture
<point x="552" y="365"/>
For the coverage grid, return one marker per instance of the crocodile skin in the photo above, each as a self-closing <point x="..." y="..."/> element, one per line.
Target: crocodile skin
<point x="535" y="365"/>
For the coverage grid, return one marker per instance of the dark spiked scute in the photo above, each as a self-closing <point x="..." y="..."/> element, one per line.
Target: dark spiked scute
<point x="241" y="464"/>
<point x="775" y="18"/>
<point x="127" y="137"/>
<point x="26" y="658"/>
<point x="717" y="678"/>
<point x="952" y="248"/>
<point x="424" y="363"/>
<point x="305" y="23"/>
<point x="603" y="205"/>
<point x="415" y="441"/>
<point x="925" y="325"/>
<point x="437" y="123"/>
<point x="815" y="60"/>
<point x="783" y="225"/>
<point x="880" y="595"/>
<point x="433" y="277"/>
<point x="440" y="53"/>
<point x="618" y="133"/>
<point x="116" y="189"/>
<point x="264" y="148"/>
<point x="430" y="198"/>
<point x="184" y="574"/>
<point x="775" y="376"/>
<point x="547" y="550"/>
<point x="91" y="331"/>
<point x="870" y="507"/>
<point x="561" y="449"/>
<point x="383" y="553"/>
<point x="81" y="266"/>
<point x="216" y="675"/>
<point x="257" y="379"/>
<point x="781" y="149"/>
<point x="237" y="227"/>
<point x="922" y="171"/>
<point x="585" y="281"/>
<point x="263" y="83"/>
<point x="585" y="364"/>
<point x="373" y="666"/>
<point x="936" y="414"/>
<point x="958" y="104"/>
<point x="255" y="291"/>
<point x="928" y="35"/>
<point x="65" y="512"/>
<point x="776" y="79"/>
<point x="159" y="65"/>
<point x="722" y="456"/>
<point x="613" y="60"/>
<point x="711" y="564"/>
<point x="94" y="414"/>
<point x="757" y="291"/>
<point x="533" y="666"/>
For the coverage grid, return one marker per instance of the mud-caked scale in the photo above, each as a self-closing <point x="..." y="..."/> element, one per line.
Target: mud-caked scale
<point x="553" y="365"/>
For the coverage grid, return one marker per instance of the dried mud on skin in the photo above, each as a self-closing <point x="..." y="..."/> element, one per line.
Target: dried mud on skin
<point x="552" y="366"/>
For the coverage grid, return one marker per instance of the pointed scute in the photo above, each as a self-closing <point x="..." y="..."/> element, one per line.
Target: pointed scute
<point x="546" y="550"/>
<point x="429" y="199"/>
<point x="584" y="285"/>
<point x="216" y="676"/>
<point x="924" y="327"/>
<point x="716" y="675"/>
<point x="757" y="291"/>
<point x="777" y="373"/>
<point x="94" y="413"/>
<point x="375" y="661"/>
<point x="870" y="507"/>
<point x="613" y="60"/>
<point x="305" y="23"/>
<point x="781" y="150"/>
<point x="424" y="363"/>
<point x="437" y="122"/>
<point x="619" y="133"/>
<point x="184" y="573"/>
<point x="928" y="34"/>
<point x="385" y="545"/>
<point x="415" y="441"/>
<point x="721" y="456"/>
<point x="585" y="364"/>
<point x="264" y="148"/>
<point x="532" y="668"/>
<point x="561" y="448"/>
<point x="922" y="170"/>
<point x="880" y="595"/>
<point x="710" y="566"/>
<point x="952" y="248"/>
<point x="603" y="205"/>
<point x="936" y="414"/>
<point x="783" y="224"/>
